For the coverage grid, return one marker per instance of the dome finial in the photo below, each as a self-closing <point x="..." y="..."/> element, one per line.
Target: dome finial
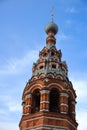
<point x="52" y="15"/>
<point x="51" y="26"/>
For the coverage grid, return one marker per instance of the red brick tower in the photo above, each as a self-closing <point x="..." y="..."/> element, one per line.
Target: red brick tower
<point x="49" y="98"/>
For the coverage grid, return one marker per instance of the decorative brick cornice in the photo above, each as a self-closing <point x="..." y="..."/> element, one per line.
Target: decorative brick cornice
<point x="52" y="118"/>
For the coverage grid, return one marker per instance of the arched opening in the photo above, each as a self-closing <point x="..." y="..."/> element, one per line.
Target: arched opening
<point x="69" y="107"/>
<point x="54" y="100"/>
<point x="45" y="54"/>
<point x="53" y="66"/>
<point x="52" y="53"/>
<point x="36" y="101"/>
<point x="41" y="67"/>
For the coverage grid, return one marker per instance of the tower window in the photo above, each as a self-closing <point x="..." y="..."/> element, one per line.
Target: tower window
<point x="54" y="66"/>
<point x="54" y="97"/>
<point x="45" y="54"/>
<point x="52" y="53"/>
<point x="41" y="67"/>
<point x="36" y="101"/>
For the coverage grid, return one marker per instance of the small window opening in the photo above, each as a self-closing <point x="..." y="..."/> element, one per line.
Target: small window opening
<point x="54" y="66"/>
<point x="36" y="102"/>
<point x="54" y="97"/>
<point x="41" y="67"/>
<point x="45" y="54"/>
<point x="52" y="53"/>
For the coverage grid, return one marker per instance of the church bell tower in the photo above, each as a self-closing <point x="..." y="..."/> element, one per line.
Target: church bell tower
<point x="49" y="99"/>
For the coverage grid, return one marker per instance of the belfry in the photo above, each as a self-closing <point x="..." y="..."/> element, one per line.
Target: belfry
<point x="49" y="99"/>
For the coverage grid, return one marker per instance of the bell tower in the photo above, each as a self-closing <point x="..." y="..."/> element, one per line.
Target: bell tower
<point x="49" y="99"/>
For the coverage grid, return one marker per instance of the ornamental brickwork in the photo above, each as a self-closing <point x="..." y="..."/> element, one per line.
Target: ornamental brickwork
<point x="49" y="99"/>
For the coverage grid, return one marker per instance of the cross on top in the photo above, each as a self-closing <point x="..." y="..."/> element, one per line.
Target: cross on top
<point x="52" y="15"/>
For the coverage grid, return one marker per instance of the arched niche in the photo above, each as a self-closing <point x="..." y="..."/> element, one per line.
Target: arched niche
<point x="53" y="100"/>
<point x="35" y="101"/>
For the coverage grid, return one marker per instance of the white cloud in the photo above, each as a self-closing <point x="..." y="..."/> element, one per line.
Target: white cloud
<point x="12" y="105"/>
<point x="62" y="36"/>
<point x="2" y="112"/>
<point x="81" y="112"/>
<point x="82" y="119"/>
<point x="81" y="89"/>
<point x="9" y="126"/>
<point x="69" y="22"/>
<point x="18" y="65"/>
<point x="10" y="110"/>
<point x="71" y="10"/>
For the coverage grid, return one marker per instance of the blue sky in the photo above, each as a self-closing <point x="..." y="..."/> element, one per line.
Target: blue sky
<point x="22" y="36"/>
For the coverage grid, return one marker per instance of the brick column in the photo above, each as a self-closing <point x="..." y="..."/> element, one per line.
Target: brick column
<point x="27" y="104"/>
<point x="44" y="100"/>
<point x="63" y="103"/>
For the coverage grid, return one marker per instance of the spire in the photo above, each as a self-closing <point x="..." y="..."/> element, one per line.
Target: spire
<point x="52" y="15"/>
<point x="51" y="26"/>
<point x="51" y="29"/>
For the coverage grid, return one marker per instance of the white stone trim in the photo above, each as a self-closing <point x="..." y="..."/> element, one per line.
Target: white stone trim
<point x="63" y="104"/>
<point x="64" y="95"/>
<point x="28" y="96"/>
<point x="47" y="127"/>
<point x="26" y="114"/>
<point x="27" y="105"/>
<point x="45" y="102"/>
<point x="44" y="91"/>
<point x="63" y="112"/>
<point x="44" y="110"/>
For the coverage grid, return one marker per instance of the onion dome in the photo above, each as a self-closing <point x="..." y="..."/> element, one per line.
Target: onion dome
<point x="51" y="27"/>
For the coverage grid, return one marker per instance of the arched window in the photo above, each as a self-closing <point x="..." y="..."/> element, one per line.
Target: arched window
<point x="69" y="107"/>
<point x="53" y="66"/>
<point x="52" y="53"/>
<point x="41" y="67"/>
<point x="36" y="101"/>
<point x="45" y="54"/>
<point x="54" y="101"/>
